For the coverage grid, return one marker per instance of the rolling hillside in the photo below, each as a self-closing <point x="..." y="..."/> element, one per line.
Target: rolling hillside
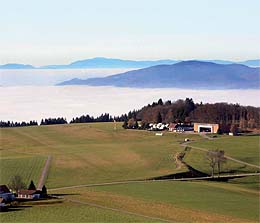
<point x="80" y="157"/>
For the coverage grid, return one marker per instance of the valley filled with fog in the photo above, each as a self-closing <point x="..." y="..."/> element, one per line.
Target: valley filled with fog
<point x="26" y="103"/>
<point x="19" y="77"/>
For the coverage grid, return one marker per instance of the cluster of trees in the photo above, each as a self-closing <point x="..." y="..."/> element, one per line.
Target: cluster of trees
<point x="53" y="121"/>
<point x="8" y="124"/>
<point x="130" y="124"/>
<point x="186" y="111"/>
<point x="229" y="116"/>
<point x="166" y="111"/>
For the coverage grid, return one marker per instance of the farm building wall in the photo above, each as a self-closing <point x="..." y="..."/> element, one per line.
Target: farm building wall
<point x="213" y="127"/>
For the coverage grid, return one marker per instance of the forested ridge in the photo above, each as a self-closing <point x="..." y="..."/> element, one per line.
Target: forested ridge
<point x="186" y="111"/>
<point x="180" y="111"/>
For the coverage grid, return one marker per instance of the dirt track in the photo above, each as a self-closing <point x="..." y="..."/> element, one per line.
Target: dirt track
<point x="44" y="173"/>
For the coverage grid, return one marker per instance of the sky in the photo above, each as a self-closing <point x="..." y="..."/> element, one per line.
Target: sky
<point x="61" y="31"/>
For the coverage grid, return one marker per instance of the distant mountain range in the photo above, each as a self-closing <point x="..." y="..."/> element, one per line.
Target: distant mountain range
<point x="101" y="62"/>
<point x="16" y="66"/>
<point x="186" y="74"/>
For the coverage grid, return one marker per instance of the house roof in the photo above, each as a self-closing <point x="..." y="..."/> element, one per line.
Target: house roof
<point x="27" y="192"/>
<point x="172" y="125"/>
<point x="4" y="189"/>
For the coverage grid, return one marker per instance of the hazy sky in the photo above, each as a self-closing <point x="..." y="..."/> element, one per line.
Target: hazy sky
<point x="43" y="32"/>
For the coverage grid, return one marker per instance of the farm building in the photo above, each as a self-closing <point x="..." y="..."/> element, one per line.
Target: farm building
<point x="6" y="194"/>
<point x="29" y="194"/>
<point x="206" y="127"/>
<point x="180" y="127"/>
<point x="157" y="127"/>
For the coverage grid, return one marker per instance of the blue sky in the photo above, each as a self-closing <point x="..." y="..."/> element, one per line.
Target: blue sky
<point x="60" y="31"/>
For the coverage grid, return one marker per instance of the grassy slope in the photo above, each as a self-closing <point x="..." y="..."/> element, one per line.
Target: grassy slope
<point x="29" y="168"/>
<point x="67" y="212"/>
<point x="197" y="159"/>
<point x="245" y="148"/>
<point x="87" y="153"/>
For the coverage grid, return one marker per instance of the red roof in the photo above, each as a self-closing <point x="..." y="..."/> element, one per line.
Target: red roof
<point x="27" y="192"/>
<point x="4" y="189"/>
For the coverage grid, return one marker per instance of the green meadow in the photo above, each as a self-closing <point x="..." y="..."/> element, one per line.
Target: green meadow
<point x="96" y="153"/>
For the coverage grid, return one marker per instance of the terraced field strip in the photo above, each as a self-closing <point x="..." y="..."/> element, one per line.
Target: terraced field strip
<point x="113" y="209"/>
<point x="232" y="176"/>
<point x="44" y="173"/>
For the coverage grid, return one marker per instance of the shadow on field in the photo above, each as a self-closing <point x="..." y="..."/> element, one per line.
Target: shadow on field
<point x="61" y="195"/>
<point x="192" y="173"/>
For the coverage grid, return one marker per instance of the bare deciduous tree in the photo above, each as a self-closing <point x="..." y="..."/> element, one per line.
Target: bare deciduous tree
<point x="212" y="158"/>
<point x="215" y="157"/>
<point x="220" y="159"/>
<point x="16" y="183"/>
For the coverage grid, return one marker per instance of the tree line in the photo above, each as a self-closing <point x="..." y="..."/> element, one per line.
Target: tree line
<point x="8" y="124"/>
<point x="181" y="111"/>
<point x="106" y="117"/>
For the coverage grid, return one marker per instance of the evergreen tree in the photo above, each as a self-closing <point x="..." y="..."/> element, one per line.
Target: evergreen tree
<point x="31" y="186"/>
<point x="160" y="102"/>
<point x="44" y="190"/>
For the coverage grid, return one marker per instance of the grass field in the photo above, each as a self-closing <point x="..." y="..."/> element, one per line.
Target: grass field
<point x="66" y="212"/>
<point x="29" y="168"/>
<point x="177" y="201"/>
<point x="96" y="153"/>
<point x="91" y="153"/>
<point x="245" y="148"/>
